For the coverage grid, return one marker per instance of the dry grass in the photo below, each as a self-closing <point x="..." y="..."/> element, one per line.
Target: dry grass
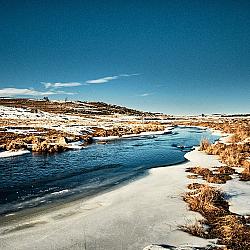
<point x="240" y="127"/>
<point x="122" y="130"/>
<point x="217" y="178"/>
<point x="204" y="144"/>
<point x="194" y="186"/>
<point x="230" y="154"/>
<point x="197" y="229"/>
<point x="245" y="174"/>
<point x="210" y="176"/>
<point x="192" y="176"/>
<point x="238" y="150"/>
<point x="225" y="170"/>
<point x="199" y="171"/>
<point x="230" y="229"/>
<point x="206" y="200"/>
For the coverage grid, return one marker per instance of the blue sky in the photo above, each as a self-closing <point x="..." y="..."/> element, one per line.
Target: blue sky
<point x="176" y="57"/>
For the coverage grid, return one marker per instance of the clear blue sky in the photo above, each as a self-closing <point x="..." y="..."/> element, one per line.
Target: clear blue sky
<point x="177" y="57"/>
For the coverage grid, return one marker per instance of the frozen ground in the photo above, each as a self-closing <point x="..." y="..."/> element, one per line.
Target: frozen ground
<point x="146" y="211"/>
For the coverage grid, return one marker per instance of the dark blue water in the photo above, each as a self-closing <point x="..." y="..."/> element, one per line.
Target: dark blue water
<point x="30" y="180"/>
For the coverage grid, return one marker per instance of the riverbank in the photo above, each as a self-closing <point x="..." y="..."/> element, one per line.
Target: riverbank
<point x="146" y="211"/>
<point x="221" y="193"/>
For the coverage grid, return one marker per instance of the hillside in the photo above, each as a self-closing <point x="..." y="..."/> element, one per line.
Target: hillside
<point x="70" y="107"/>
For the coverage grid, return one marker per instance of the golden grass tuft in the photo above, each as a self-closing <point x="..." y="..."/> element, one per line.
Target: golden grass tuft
<point x="192" y="176"/>
<point x="194" y="186"/>
<point x="199" y="171"/>
<point x="232" y="231"/>
<point x="206" y="200"/>
<point x="245" y="174"/>
<point x="210" y="176"/>
<point x="204" y="144"/>
<point x="225" y="170"/>
<point x="197" y="229"/>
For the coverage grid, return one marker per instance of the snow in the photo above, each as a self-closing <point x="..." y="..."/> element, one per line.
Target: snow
<point x="190" y="126"/>
<point x="224" y="137"/>
<point x="133" y="216"/>
<point x="13" y="153"/>
<point x="107" y="138"/>
<point x="238" y="193"/>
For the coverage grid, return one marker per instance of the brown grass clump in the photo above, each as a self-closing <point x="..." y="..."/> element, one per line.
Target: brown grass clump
<point x="232" y="231"/>
<point x="204" y="144"/>
<point x="217" y="178"/>
<point x="192" y="176"/>
<point x="231" y="157"/>
<point x="199" y="171"/>
<point x="239" y="136"/>
<point x="247" y="218"/>
<point x="234" y="138"/>
<point x="215" y="149"/>
<point x="225" y="170"/>
<point x="209" y="176"/>
<point x="245" y="174"/>
<point x="246" y="163"/>
<point x="196" y="229"/>
<point x="230" y="154"/>
<point x="194" y="186"/>
<point x="206" y="200"/>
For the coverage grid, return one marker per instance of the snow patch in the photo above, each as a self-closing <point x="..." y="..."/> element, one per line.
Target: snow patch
<point x="13" y="153"/>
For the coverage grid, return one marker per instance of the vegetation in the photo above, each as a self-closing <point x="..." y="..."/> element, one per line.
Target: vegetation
<point x="219" y="176"/>
<point x="70" y="107"/>
<point x="230" y="229"/>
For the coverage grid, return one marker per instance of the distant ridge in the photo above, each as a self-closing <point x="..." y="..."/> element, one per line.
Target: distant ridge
<point x="71" y="107"/>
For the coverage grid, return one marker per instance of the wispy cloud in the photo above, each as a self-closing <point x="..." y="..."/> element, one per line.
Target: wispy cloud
<point x="145" y="94"/>
<point x="60" y="84"/>
<point x="28" y="92"/>
<point x="109" y="78"/>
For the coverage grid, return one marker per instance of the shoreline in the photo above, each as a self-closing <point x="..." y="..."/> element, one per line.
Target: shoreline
<point x="159" y="206"/>
<point x="75" y="146"/>
<point x="70" y="200"/>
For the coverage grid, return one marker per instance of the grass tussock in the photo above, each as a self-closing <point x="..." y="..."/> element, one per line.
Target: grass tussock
<point x="225" y="170"/>
<point x="192" y="176"/>
<point x="230" y="154"/>
<point x="206" y="200"/>
<point x="197" y="229"/>
<point x="236" y="152"/>
<point x="230" y="229"/>
<point x="239" y="127"/>
<point x="194" y="186"/>
<point x="199" y="171"/>
<point x="204" y="144"/>
<point x="220" y="176"/>
<point x="245" y="174"/>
